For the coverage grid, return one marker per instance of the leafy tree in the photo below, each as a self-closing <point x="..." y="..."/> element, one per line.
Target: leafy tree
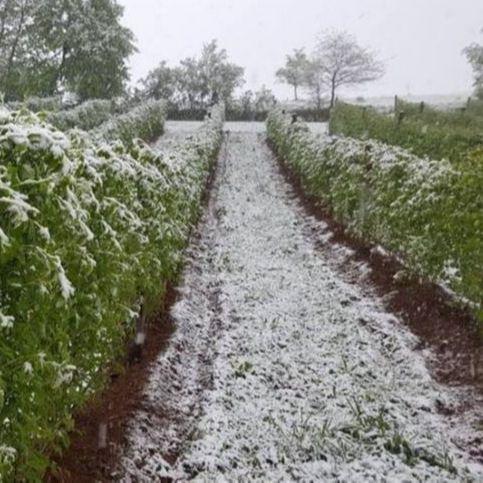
<point x="88" y="43"/>
<point x="219" y="77"/>
<point x="315" y="81"/>
<point x="295" y="70"/>
<point x="188" y="83"/>
<point x="52" y="45"/>
<point x="246" y="102"/>
<point x="196" y="82"/>
<point x="264" y="100"/>
<point x="340" y="61"/>
<point x="160" y="83"/>
<point x="15" y="54"/>
<point x="474" y="54"/>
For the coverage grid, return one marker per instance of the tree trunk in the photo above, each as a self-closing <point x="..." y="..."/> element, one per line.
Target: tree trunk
<point x="332" y="95"/>
<point x="13" y="50"/>
<point x="319" y="97"/>
<point x="295" y="92"/>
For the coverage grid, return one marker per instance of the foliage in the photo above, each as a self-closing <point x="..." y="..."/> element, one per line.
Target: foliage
<point x="429" y="212"/>
<point x="315" y="81"/>
<point x="294" y="72"/>
<point x="160" y="83"/>
<point x="88" y="231"/>
<point x="87" y="115"/>
<point x="47" y="46"/>
<point x="338" y="60"/>
<point x="251" y="106"/>
<point x="341" y="61"/>
<point x="145" y="121"/>
<point x="469" y="116"/>
<point x="432" y="133"/>
<point x="37" y="104"/>
<point x="474" y="54"/>
<point x="195" y="83"/>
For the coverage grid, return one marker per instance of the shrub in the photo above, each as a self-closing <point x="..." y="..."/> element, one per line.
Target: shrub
<point x="429" y="212"/>
<point x="145" y="121"/>
<point x="431" y="133"/>
<point x="87" y="115"/>
<point x="89" y="230"/>
<point x="37" y="104"/>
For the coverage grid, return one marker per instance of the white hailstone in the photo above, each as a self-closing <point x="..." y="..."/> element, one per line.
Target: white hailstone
<point x="28" y="369"/>
<point x="6" y="321"/>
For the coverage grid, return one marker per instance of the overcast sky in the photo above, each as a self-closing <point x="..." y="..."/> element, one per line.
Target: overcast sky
<point x="420" y="40"/>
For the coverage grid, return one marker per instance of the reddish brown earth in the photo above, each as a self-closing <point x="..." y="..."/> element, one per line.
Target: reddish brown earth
<point x="431" y="313"/>
<point x="443" y="326"/>
<point x="84" y="461"/>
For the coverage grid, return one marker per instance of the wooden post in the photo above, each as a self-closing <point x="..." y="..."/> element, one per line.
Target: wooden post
<point x="468" y="102"/>
<point x="102" y="437"/>
<point x="400" y="117"/>
<point x="395" y="103"/>
<point x="421" y="107"/>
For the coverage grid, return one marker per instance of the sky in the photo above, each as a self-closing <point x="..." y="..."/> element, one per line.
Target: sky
<point x="419" y="40"/>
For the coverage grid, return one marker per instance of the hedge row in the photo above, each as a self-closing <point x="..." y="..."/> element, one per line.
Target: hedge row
<point x="429" y="212"/>
<point x="37" y="104"/>
<point x="89" y="230"/>
<point x="88" y="115"/>
<point x="438" y="137"/>
<point x="146" y="119"/>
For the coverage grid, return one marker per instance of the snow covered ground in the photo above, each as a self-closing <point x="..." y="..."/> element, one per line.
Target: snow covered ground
<point x="318" y="127"/>
<point x="177" y="131"/>
<point x="281" y="370"/>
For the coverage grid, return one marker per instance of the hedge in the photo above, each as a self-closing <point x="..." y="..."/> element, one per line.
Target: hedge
<point x="428" y="212"/>
<point x="37" y="104"/>
<point x="89" y="230"/>
<point x="88" y="115"/>
<point x="146" y="119"/>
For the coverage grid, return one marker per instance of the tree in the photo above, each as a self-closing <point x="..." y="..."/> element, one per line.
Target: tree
<point x="188" y="82"/>
<point x="315" y="81"/>
<point x="48" y="46"/>
<point x="89" y="45"/>
<point x="264" y="100"/>
<point x="342" y="62"/>
<point x="160" y="83"/>
<point x="295" y="70"/>
<point x="474" y="54"/>
<point x="196" y="82"/>
<point x="15" y="55"/>
<point x="246" y="102"/>
<point x="219" y="77"/>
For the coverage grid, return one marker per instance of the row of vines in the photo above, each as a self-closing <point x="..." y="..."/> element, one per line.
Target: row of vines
<point x="92" y="227"/>
<point x="430" y="212"/>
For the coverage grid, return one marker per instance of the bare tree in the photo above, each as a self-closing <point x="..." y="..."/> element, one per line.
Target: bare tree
<point x="294" y="71"/>
<point x="341" y="61"/>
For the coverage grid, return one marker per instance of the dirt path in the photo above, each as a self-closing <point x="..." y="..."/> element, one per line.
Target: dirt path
<point x="280" y="369"/>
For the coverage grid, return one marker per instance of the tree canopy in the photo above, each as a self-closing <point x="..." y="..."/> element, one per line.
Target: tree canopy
<point x="341" y="61"/>
<point x="48" y="46"/>
<point x="338" y="60"/>
<point x="195" y="82"/>
<point x="294" y="72"/>
<point x="474" y="54"/>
